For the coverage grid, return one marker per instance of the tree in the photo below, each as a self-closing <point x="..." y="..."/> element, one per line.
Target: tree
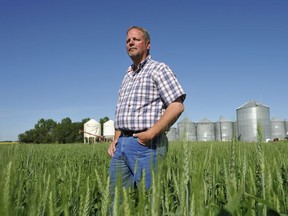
<point x="27" y="137"/>
<point x="43" y="132"/>
<point x="102" y="121"/>
<point x="49" y="131"/>
<point x="64" y="131"/>
<point x="68" y="132"/>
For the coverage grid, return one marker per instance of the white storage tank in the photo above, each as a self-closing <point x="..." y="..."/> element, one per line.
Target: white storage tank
<point x="108" y="129"/>
<point x="223" y="129"/>
<point x="248" y="117"/>
<point x="277" y="128"/>
<point x="205" y="130"/>
<point x="186" y="130"/>
<point x="172" y="134"/>
<point x="92" y="129"/>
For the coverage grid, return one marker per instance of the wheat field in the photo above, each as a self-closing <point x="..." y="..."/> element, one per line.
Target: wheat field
<point x="196" y="178"/>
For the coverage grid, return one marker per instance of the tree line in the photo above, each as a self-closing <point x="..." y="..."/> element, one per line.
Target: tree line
<point x="50" y="131"/>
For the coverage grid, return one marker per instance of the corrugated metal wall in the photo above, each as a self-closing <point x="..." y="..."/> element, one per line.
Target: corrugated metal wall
<point x="186" y="130"/>
<point x="205" y="130"/>
<point x="249" y="116"/>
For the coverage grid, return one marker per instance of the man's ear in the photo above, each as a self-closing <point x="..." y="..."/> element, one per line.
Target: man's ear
<point x="148" y="45"/>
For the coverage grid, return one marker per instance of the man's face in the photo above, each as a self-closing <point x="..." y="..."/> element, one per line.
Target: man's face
<point x="136" y="45"/>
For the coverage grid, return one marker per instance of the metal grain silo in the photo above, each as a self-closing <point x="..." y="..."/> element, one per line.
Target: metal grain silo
<point x="277" y="128"/>
<point x="249" y="116"/>
<point x="286" y="128"/>
<point x="186" y="129"/>
<point x="172" y="134"/>
<point x="205" y="130"/>
<point x="235" y="129"/>
<point x="223" y="129"/>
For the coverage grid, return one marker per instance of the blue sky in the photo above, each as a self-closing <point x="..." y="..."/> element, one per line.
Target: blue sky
<point x="61" y="58"/>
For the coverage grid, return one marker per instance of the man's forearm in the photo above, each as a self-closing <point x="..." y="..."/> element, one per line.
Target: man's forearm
<point x="169" y="117"/>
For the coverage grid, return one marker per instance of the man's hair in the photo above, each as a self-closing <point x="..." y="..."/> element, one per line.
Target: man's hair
<point x="143" y="30"/>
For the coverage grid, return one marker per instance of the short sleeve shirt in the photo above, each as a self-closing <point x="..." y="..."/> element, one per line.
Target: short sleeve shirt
<point x="145" y="94"/>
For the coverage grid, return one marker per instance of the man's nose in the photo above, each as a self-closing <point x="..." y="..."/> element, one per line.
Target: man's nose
<point x="131" y="42"/>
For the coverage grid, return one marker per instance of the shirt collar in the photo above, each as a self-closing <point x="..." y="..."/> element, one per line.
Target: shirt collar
<point x="141" y="65"/>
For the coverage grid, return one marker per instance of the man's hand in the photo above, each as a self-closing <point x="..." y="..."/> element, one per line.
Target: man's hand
<point x="144" y="137"/>
<point x="112" y="148"/>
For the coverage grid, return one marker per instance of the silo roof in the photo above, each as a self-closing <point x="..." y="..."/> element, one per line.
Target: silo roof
<point x="252" y="103"/>
<point x="223" y="119"/>
<point x="276" y="119"/>
<point x="205" y="120"/>
<point x="92" y="121"/>
<point x="186" y="119"/>
<point x="109" y="122"/>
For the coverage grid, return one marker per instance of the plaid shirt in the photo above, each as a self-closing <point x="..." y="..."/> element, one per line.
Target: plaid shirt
<point x="145" y="94"/>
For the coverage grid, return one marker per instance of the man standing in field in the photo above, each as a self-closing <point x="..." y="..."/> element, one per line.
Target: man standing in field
<point x="150" y="101"/>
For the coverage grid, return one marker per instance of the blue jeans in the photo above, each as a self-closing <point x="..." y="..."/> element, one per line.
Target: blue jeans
<point x="131" y="159"/>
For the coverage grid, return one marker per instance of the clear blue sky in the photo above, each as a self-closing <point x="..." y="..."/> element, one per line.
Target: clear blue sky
<point x="61" y="58"/>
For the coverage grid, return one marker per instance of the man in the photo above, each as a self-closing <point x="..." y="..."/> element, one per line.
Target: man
<point x="150" y="101"/>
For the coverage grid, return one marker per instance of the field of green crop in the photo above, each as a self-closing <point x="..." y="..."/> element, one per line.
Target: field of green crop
<point x="196" y="178"/>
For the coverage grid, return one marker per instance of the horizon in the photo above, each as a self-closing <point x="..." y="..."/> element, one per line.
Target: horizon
<point x="181" y="118"/>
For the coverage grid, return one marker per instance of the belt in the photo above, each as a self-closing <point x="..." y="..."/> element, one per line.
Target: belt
<point x="128" y="133"/>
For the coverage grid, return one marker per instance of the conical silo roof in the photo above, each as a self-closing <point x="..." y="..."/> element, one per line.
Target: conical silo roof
<point x="223" y="119"/>
<point x="252" y="103"/>
<point x="276" y="119"/>
<point x="92" y="122"/>
<point x="205" y="120"/>
<point x="186" y="119"/>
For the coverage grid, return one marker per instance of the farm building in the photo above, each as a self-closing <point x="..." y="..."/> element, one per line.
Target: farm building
<point x="277" y="128"/>
<point x="250" y="116"/>
<point x="92" y="129"/>
<point x="172" y="134"/>
<point x="108" y="129"/>
<point x="224" y="129"/>
<point x="286" y="128"/>
<point x="186" y="130"/>
<point x="205" y="130"/>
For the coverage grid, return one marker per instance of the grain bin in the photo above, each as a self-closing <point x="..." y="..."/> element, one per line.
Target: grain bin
<point x="186" y="129"/>
<point x="223" y="129"/>
<point x="205" y="130"/>
<point x="286" y="128"/>
<point x="277" y="128"/>
<point x="92" y="129"/>
<point x="235" y="129"/>
<point x="248" y="117"/>
<point x="172" y="134"/>
<point x="108" y="129"/>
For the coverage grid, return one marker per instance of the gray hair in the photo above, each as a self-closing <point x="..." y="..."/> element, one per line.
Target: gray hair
<point x="143" y="30"/>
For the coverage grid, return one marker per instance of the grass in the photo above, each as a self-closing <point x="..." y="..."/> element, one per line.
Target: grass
<point x="197" y="178"/>
<point x="8" y="143"/>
